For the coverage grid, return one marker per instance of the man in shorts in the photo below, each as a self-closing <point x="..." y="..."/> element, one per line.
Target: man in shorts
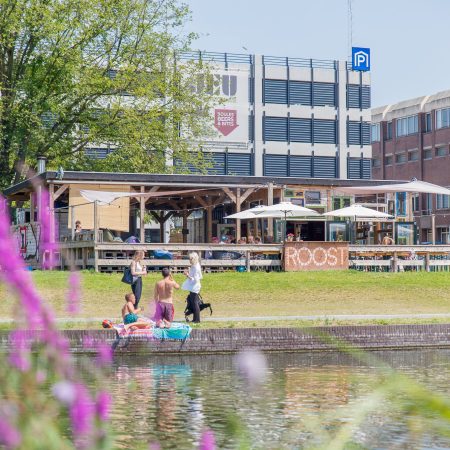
<point x="164" y="299"/>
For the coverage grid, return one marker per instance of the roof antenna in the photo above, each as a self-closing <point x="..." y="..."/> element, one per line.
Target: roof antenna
<point x="350" y="27"/>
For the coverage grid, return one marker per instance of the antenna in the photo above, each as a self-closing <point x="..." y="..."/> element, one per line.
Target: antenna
<point x="350" y="27"/>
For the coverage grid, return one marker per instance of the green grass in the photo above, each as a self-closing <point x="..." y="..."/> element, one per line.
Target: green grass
<point x="261" y="294"/>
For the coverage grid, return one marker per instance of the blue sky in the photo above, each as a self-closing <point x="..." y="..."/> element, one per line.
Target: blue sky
<point x="409" y="39"/>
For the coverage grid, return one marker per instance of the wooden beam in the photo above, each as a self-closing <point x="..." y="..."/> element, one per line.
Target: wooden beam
<point x="230" y="194"/>
<point x="60" y="191"/>
<point x="141" y="216"/>
<point x="246" y="194"/>
<point x="238" y="209"/>
<point x="203" y="202"/>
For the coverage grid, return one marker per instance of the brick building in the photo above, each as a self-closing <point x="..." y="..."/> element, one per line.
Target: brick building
<point x="412" y="139"/>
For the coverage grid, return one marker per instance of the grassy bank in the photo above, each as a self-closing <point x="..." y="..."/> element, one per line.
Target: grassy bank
<point x="262" y="294"/>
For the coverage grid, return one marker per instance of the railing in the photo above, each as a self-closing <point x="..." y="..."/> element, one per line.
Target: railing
<point x="114" y="256"/>
<point x="400" y="258"/>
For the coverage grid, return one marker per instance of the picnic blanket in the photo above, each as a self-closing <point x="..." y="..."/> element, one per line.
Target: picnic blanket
<point x="178" y="331"/>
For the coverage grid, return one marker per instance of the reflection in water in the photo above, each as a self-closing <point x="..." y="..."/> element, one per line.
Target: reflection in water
<point x="173" y="399"/>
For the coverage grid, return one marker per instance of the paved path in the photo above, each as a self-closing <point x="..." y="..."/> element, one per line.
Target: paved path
<point x="277" y="318"/>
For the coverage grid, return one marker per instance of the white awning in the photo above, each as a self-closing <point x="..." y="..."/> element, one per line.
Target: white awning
<point x="106" y="198"/>
<point x="416" y="186"/>
<point x="358" y="211"/>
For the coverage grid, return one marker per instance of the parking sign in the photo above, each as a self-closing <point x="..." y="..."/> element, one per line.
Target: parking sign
<point x="360" y="58"/>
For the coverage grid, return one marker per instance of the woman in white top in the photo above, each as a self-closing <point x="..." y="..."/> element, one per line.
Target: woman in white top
<point x="192" y="284"/>
<point x="137" y="270"/>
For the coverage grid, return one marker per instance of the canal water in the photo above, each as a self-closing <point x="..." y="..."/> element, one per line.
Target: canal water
<point x="303" y="398"/>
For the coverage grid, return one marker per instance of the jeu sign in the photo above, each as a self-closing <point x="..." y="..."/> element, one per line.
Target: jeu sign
<point x="315" y="256"/>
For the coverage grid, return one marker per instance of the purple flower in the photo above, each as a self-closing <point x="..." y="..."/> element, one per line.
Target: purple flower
<point x="9" y="435"/>
<point x="207" y="441"/>
<point x="74" y="294"/>
<point x="65" y="392"/>
<point x="252" y="365"/>
<point x="154" y="446"/>
<point x="20" y="350"/>
<point x="103" y="405"/>
<point x="81" y="411"/>
<point x="104" y="354"/>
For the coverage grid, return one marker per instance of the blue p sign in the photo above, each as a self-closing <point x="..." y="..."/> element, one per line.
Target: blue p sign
<point x="360" y="58"/>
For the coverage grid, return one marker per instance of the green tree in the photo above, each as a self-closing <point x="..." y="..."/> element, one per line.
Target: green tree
<point x="77" y="74"/>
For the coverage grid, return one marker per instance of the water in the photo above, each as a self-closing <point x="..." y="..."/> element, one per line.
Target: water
<point x="172" y="399"/>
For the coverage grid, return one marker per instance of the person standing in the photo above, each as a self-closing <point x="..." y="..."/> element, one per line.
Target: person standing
<point x="192" y="284"/>
<point x="137" y="271"/>
<point x="163" y="296"/>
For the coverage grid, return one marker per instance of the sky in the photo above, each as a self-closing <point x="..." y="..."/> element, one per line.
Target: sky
<point x="409" y="39"/>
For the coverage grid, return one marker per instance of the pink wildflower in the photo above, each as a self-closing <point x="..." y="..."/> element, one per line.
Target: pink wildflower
<point x="252" y="365"/>
<point x="74" y="294"/>
<point x="82" y="411"/>
<point x="103" y="405"/>
<point x="9" y="435"/>
<point x="207" y="441"/>
<point x="20" y="350"/>
<point x="154" y="446"/>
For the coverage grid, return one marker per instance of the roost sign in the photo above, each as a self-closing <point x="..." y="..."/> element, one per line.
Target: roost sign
<point x="315" y="256"/>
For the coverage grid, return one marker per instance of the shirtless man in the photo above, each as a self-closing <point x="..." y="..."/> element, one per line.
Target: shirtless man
<point x="164" y="299"/>
<point x="129" y="314"/>
<point x="387" y="240"/>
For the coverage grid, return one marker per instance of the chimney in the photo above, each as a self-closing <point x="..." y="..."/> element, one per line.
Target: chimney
<point x="41" y="160"/>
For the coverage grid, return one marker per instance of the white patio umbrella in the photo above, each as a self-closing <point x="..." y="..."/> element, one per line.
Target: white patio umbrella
<point x="247" y="214"/>
<point x="412" y="186"/>
<point x="357" y="211"/>
<point x="285" y="210"/>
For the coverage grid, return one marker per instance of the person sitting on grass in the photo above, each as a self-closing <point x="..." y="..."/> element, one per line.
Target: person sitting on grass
<point x="130" y="314"/>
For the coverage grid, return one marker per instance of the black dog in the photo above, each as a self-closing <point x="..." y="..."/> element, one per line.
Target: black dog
<point x="201" y="304"/>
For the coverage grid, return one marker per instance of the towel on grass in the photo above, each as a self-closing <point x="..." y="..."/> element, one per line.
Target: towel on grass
<point x="178" y="331"/>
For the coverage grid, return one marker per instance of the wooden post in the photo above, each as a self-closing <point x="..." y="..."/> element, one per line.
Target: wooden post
<point x="238" y="209"/>
<point x="209" y="222"/>
<point x="395" y="262"/>
<point x="185" y="225"/>
<point x="95" y="236"/>
<point x="433" y="229"/>
<point x="32" y="206"/>
<point x="247" y="261"/>
<point x="141" y="216"/>
<point x="427" y="261"/>
<point x="72" y="221"/>
<point x="270" y="203"/>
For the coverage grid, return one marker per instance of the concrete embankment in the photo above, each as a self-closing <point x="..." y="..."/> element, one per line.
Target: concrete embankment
<point x="268" y="339"/>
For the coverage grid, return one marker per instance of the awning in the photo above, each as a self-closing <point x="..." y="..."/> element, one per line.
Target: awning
<point x="416" y="186"/>
<point x="106" y="198"/>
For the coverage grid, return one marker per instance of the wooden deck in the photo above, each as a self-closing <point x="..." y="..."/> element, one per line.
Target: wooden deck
<point x="114" y="256"/>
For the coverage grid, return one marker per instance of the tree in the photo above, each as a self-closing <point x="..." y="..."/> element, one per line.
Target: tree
<point x="78" y="74"/>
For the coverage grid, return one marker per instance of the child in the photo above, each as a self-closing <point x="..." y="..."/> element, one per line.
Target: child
<point x="129" y="314"/>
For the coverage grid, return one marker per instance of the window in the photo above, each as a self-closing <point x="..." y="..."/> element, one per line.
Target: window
<point x="376" y="163"/>
<point x="389" y="130"/>
<point x="312" y="197"/>
<point x="375" y="132"/>
<point x="388" y="160"/>
<point x="400" y="158"/>
<point x="358" y="133"/>
<point x="428" y="203"/>
<point x="427" y="153"/>
<point x="358" y="96"/>
<point x="413" y="156"/>
<point x="443" y="118"/>
<point x="407" y="125"/>
<point x="442" y="201"/>
<point x="415" y="202"/>
<point x="441" y="151"/>
<point x="427" y="122"/>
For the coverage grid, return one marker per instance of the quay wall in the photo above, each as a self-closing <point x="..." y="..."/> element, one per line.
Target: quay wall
<point x="228" y="340"/>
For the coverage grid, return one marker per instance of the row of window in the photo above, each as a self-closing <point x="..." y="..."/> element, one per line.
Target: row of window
<point x="401" y="158"/>
<point x="288" y="92"/>
<point x="227" y="163"/>
<point x="410" y="125"/>
<point x="314" y="166"/>
<point x="321" y="131"/>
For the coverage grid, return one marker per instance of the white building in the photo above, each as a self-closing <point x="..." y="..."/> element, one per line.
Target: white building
<point x="289" y="117"/>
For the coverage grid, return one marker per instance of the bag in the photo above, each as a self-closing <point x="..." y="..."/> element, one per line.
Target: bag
<point x="127" y="277"/>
